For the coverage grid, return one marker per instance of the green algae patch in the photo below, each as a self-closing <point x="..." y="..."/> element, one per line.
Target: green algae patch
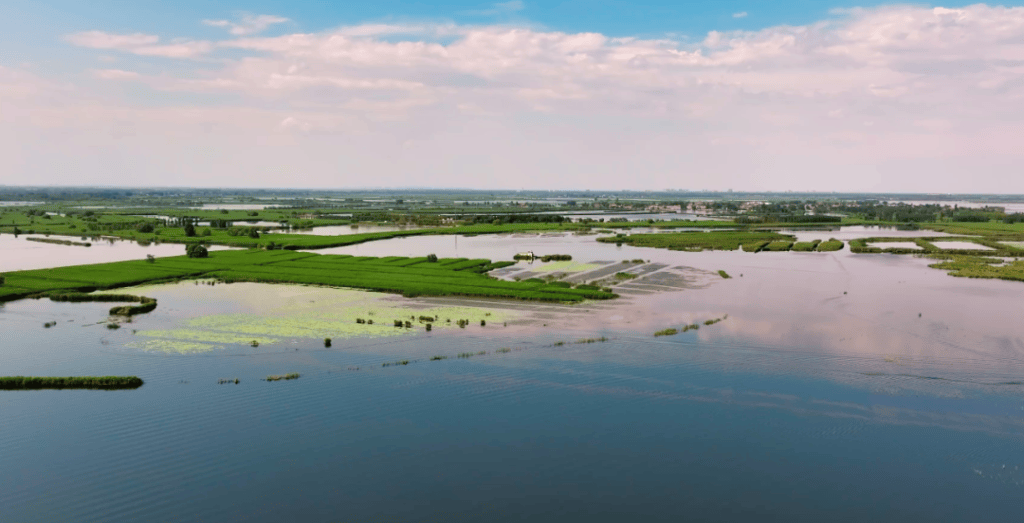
<point x="567" y="266"/>
<point x="172" y="346"/>
<point x="281" y="312"/>
<point x="205" y="336"/>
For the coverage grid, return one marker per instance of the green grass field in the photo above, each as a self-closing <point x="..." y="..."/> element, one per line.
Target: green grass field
<point x="697" y="241"/>
<point x="409" y="277"/>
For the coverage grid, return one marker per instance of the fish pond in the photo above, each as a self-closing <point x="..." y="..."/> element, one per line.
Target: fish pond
<point x="806" y="386"/>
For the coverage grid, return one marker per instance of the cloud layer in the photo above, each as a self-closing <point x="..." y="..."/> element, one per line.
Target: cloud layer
<point x="892" y="98"/>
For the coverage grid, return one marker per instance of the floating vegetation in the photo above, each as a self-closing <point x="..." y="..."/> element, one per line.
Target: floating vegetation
<point x="49" y="324"/>
<point x="624" y="276"/>
<point x="74" y="382"/>
<point x="207" y="337"/>
<point x="438" y="358"/>
<point x="171" y="346"/>
<point x="279" y="377"/>
<point x="690" y="327"/>
<point x="831" y="245"/>
<point x="503" y="350"/>
<point x="591" y="340"/>
<point x="113" y="326"/>
<point x="254" y="343"/>
<point x="223" y="381"/>
<point x="724" y="274"/>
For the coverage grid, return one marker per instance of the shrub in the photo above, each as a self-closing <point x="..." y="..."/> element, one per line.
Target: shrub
<point x="195" y="250"/>
<point x="432" y="258"/>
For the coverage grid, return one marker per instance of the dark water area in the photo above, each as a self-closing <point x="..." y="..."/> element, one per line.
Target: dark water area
<point x="822" y="396"/>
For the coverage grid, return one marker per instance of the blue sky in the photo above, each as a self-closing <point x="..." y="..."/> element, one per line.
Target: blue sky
<point x="32" y="31"/>
<point x="788" y="95"/>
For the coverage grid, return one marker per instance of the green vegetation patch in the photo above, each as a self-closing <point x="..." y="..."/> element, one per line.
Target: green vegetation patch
<point x="459" y="278"/>
<point x="779" y="246"/>
<point x="968" y="266"/>
<point x="697" y="241"/>
<point x="205" y="336"/>
<point x="72" y="382"/>
<point x="171" y="346"/>
<point x="831" y="245"/>
<point x="806" y="246"/>
<point x="311" y="313"/>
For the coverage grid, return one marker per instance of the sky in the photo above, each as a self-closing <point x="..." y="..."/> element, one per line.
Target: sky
<point x="802" y="95"/>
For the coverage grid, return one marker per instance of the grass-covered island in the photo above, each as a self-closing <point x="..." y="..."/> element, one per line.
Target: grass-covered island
<point x="71" y="382"/>
<point x="423" y="276"/>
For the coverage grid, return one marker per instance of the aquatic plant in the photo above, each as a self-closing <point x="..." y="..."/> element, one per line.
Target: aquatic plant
<point x="724" y="274"/>
<point x="74" y="382"/>
<point x="327" y="342"/>
<point x="438" y="358"/>
<point x="504" y="350"/>
<point x="279" y="377"/>
<point x="666" y="332"/>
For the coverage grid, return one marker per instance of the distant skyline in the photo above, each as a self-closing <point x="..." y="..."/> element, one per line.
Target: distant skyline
<point x="800" y="95"/>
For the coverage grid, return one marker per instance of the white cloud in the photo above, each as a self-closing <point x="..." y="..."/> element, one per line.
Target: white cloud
<point x="248" y="24"/>
<point x="115" y="74"/>
<point x="102" y="40"/>
<point x="140" y="44"/>
<point x="783" y="107"/>
<point x="741" y="14"/>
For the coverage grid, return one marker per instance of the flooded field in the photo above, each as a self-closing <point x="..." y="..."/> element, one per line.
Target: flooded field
<point x="802" y="369"/>
<point x="18" y="253"/>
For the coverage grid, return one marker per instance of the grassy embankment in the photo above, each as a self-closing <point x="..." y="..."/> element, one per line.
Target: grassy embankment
<point x="114" y="224"/>
<point x="147" y="304"/>
<point x="696" y="241"/>
<point x="73" y="382"/>
<point x="407" y="276"/>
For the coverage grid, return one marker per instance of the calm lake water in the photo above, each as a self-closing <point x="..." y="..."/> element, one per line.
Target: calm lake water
<point x="822" y="396"/>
